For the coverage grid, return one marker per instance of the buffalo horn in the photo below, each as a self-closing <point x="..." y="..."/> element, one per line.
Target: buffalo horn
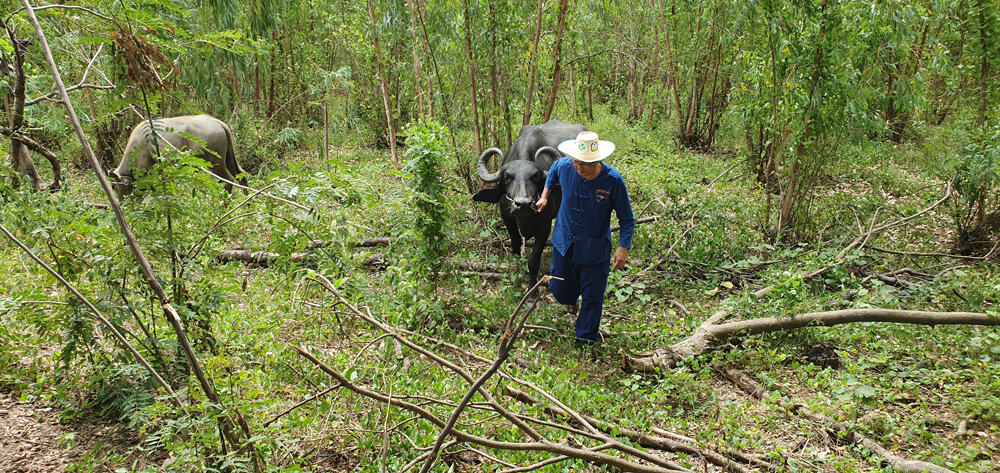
<point x="548" y="150"/>
<point x="484" y="173"/>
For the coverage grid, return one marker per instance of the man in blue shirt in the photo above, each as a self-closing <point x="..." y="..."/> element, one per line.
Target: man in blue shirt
<point x="582" y="233"/>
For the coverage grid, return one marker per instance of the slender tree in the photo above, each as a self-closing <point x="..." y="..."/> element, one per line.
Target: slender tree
<point x="384" y="81"/>
<point x="470" y="60"/>
<point x="418" y="90"/>
<point x="557" y="57"/>
<point x="533" y="64"/>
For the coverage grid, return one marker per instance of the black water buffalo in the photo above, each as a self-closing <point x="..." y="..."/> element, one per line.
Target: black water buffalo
<point x="519" y="183"/>
<point x="172" y="135"/>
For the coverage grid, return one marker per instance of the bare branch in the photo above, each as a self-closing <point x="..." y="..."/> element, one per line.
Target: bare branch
<point x="228" y="425"/>
<point x="97" y="314"/>
<point x="900" y="464"/>
<point x="541" y="445"/>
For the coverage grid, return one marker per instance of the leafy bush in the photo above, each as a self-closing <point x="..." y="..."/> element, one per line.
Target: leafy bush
<point x="976" y="199"/>
<point x="426" y="153"/>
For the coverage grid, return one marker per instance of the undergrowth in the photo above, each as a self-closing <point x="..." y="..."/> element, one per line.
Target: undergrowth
<point x="907" y="387"/>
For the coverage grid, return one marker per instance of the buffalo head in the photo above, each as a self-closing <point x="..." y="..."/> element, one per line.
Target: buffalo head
<point x="519" y="182"/>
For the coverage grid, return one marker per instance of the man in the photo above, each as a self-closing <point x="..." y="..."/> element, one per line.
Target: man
<point x="582" y="234"/>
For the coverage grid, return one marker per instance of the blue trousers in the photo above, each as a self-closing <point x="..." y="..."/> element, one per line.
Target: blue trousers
<point x="584" y="281"/>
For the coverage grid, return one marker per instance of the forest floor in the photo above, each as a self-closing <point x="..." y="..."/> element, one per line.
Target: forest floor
<point x="34" y="440"/>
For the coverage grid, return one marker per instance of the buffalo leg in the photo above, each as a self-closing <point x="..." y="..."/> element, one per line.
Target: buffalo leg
<point x="515" y="235"/>
<point x="535" y="259"/>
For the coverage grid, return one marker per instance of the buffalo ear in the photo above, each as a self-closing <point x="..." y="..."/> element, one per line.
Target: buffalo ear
<point x="490" y="194"/>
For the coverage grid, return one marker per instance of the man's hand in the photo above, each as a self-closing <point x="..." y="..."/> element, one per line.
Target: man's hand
<point x="543" y="200"/>
<point x="541" y="203"/>
<point x="618" y="261"/>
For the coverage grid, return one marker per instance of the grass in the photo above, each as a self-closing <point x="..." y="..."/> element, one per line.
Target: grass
<point x="906" y="387"/>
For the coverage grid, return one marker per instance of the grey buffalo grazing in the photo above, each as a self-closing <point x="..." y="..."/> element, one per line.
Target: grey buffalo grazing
<point x="519" y="183"/>
<point x="172" y="135"/>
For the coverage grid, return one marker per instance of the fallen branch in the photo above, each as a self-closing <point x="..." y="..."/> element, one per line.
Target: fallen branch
<point x="644" y="440"/>
<point x="706" y="337"/>
<point x="538" y="445"/>
<point x="261" y="259"/>
<point x="711" y="335"/>
<point x="300" y="404"/>
<point x="538" y="442"/>
<point x="839" y="430"/>
<point x="936" y="255"/>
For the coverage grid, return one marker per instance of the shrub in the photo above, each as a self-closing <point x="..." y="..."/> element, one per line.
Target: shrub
<point x="976" y="199"/>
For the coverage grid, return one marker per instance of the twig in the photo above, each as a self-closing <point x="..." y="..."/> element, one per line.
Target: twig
<point x="250" y="189"/>
<point x="306" y="401"/>
<point x="713" y="181"/>
<point x="935" y="255"/>
<point x="151" y="280"/>
<point x="900" y="464"/>
<point x="97" y="314"/>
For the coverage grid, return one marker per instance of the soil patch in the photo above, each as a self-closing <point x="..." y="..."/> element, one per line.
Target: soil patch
<point x="33" y="440"/>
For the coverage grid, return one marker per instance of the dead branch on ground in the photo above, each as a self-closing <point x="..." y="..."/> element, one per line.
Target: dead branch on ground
<point x="658" y="442"/>
<point x="711" y="334"/>
<point x="837" y="430"/>
<point x="537" y="442"/>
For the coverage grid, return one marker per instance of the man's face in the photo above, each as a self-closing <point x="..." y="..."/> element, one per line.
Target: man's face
<point x="587" y="171"/>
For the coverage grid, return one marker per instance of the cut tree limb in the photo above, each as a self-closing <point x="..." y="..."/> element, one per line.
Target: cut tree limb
<point x="657" y="442"/>
<point x="711" y="335"/>
<point x="841" y="431"/>
<point x="537" y="441"/>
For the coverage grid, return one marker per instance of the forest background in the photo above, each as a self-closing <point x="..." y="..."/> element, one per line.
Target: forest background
<point x="813" y="285"/>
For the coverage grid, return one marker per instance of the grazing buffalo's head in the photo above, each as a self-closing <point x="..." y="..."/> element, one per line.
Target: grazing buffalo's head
<point x="519" y="182"/>
<point x="122" y="184"/>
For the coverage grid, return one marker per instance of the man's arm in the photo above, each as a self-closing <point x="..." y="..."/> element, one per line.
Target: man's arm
<point x="551" y="181"/>
<point x="623" y="208"/>
<point x="543" y="200"/>
<point x="618" y="261"/>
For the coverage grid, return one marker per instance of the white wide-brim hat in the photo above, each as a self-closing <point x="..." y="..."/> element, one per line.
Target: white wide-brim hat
<point x="587" y="148"/>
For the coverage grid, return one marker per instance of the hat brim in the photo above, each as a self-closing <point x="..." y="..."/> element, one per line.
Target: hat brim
<point x="568" y="148"/>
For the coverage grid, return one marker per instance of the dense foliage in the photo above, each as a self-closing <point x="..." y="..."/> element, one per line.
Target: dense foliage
<point x="764" y="135"/>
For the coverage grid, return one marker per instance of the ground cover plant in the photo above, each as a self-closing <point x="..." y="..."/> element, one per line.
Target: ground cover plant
<point x="925" y="392"/>
<point x="812" y="285"/>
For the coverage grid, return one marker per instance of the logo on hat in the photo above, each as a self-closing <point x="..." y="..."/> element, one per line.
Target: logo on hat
<point x="587" y="148"/>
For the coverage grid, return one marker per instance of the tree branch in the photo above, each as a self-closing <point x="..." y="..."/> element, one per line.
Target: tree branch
<point x="899" y="464"/>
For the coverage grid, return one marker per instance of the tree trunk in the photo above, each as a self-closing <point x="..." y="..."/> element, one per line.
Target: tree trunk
<point x="494" y="124"/>
<point x="590" y="92"/>
<point x="19" y="156"/>
<point x="380" y="65"/>
<point x="800" y="150"/>
<point x="672" y="82"/>
<point x="654" y="92"/>
<point x="417" y="79"/>
<point x="633" y="79"/>
<point x="572" y="93"/>
<point x="533" y="64"/>
<point x="557" y="57"/>
<point x="271" y="99"/>
<point x="984" y="68"/>
<point x="469" y="59"/>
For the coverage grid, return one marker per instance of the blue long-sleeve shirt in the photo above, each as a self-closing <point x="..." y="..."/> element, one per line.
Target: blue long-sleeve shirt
<point x="584" y="217"/>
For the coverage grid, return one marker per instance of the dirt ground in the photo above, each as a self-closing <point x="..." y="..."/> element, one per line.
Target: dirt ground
<point x="32" y="440"/>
